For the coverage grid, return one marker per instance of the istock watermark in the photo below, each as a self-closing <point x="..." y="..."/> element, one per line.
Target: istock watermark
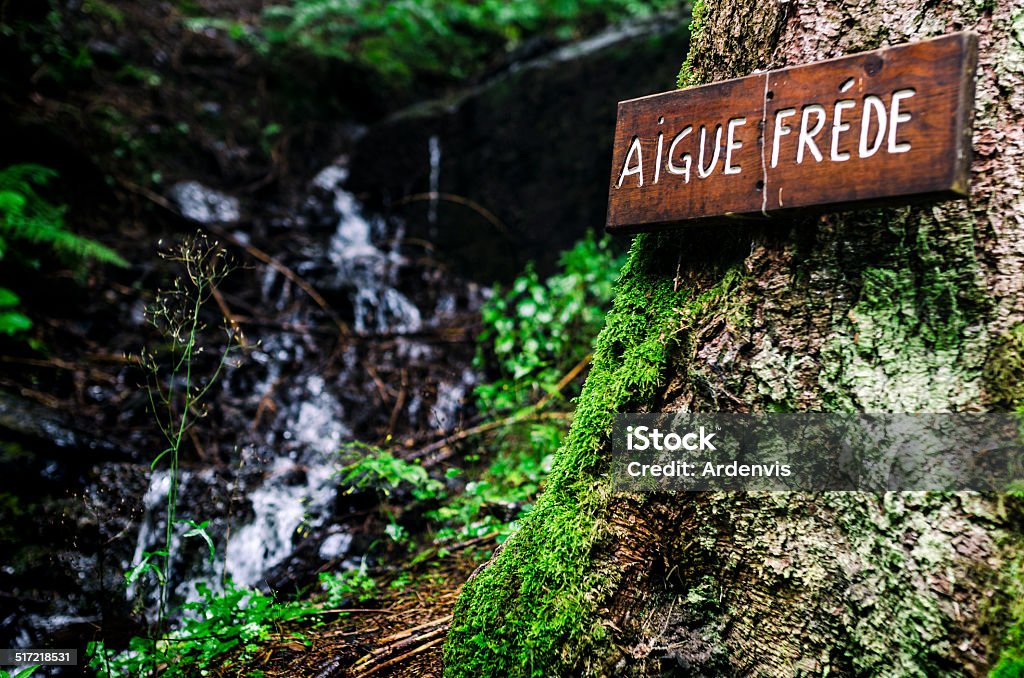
<point x="642" y="438"/>
<point x="809" y="452"/>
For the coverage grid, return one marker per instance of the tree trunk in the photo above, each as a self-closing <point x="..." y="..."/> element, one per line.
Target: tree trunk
<point x="902" y="310"/>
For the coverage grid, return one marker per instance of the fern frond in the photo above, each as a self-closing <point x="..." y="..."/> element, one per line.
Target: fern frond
<point x="27" y="216"/>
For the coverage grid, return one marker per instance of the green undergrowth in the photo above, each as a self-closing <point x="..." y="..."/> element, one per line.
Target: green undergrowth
<point x="538" y="332"/>
<point x="534" y="347"/>
<point x="532" y="611"/>
<point x="236" y="620"/>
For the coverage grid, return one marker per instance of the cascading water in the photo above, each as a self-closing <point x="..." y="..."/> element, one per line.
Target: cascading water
<point x="434" y="146"/>
<point x="379" y="307"/>
<point x="285" y="482"/>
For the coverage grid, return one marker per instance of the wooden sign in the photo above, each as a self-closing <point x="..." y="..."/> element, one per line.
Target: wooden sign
<point x="892" y="125"/>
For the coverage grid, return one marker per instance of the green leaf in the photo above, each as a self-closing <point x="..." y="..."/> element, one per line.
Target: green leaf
<point x="12" y="202"/>
<point x="8" y="298"/>
<point x="12" y="322"/>
<point x="147" y="565"/>
<point x="199" y="530"/>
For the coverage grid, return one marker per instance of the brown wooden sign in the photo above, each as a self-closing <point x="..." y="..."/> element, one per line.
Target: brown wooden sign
<point x="889" y="125"/>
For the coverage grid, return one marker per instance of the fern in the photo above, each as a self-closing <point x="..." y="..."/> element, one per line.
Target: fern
<point x="11" y="320"/>
<point x="26" y="217"/>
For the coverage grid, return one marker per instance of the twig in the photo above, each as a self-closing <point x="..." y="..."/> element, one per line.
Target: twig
<point x="360" y="610"/>
<point x="382" y="390"/>
<point x="434" y="550"/>
<point x="58" y="364"/>
<point x="518" y="417"/>
<point x="399" y="402"/>
<point x="228" y="315"/>
<point x="459" y="200"/>
<point x="288" y="273"/>
<point x="399" y="641"/>
<point x="472" y="542"/>
<point x="531" y="412"/>
<point x="266" y="403"/>
<point x="255" y="252"/>
<point x="565" y="381"/>
<point x="395" y="660"/>
<point x="408" y="632"/>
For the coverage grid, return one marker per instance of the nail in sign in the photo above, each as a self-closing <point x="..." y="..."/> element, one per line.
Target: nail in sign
<point x="888" y="126"/>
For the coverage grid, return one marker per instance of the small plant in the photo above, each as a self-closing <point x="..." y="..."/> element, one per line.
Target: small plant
<point x="218" y="623"/>
<point x="345" y="588"/>
<point x="176" y="389"/>
<point x="379" y="470"/>
<point x="26" y="218"/>
<point x="384" y="473"/>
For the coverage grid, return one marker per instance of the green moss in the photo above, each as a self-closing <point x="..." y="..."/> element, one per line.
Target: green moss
<point x="896" y="624"/>
<point x="534" y="607"/>
<point x="686" y="77"/>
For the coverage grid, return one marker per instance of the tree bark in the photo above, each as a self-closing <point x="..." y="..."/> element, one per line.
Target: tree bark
<point x="916" y="309"/>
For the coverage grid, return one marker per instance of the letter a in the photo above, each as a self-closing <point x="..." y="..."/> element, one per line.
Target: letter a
<point x="638" y="169"/>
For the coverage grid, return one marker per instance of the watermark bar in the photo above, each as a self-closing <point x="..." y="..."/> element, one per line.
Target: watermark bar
<point x="39" y="657"/>
<point x="812" y="452"/>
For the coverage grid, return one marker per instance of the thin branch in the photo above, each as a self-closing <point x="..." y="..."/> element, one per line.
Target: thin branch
<point x="459" y="200"/>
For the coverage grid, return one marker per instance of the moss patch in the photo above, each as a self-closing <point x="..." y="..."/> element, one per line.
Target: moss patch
<point x="1004" y="369"/>
<point x="687" y="77"/>
<point x="535" y="606"/>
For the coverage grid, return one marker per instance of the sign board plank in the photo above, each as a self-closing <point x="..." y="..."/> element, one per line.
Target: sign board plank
<point x="891" y="125"/>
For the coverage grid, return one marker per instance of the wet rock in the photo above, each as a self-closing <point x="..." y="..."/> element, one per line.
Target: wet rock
<point x="203" y="204"/>
<point x="48" y="428"/>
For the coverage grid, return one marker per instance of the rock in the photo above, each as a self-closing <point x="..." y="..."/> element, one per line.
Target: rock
<point x="516" y="169"/>
<point x="203" y="204"/>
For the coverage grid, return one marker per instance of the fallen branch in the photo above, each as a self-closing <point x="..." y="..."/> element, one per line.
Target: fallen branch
<point x="419" y="638"/>
<point x="407" y="632"/>
<point x="459" y="200"/>
<point x="527" y="414"/>
<point x="517" y="418"/>
<point x="390" y="662"/>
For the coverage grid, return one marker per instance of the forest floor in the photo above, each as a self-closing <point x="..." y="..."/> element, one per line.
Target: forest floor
<point x="400" y="633"/>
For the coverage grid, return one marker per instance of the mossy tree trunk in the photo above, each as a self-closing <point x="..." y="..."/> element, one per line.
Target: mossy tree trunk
<point x="905" y="310"/>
